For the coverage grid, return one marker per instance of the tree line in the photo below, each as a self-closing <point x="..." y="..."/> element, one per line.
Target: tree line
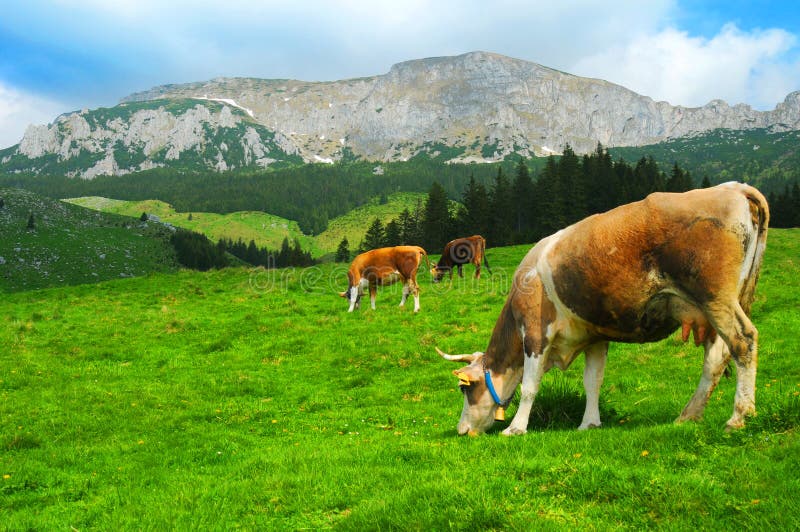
<point x="311" y="194"/>
<point x="196" y="251"/>
<point x="785" y="207"/>
<point x="288" y="255"/>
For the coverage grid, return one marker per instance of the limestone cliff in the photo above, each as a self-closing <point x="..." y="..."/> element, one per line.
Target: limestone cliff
<point x="477" y="106"/>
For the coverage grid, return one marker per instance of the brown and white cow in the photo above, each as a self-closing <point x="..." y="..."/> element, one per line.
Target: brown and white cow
<point x="382" y="267"/>
<point x="457" y="253"/>
<point x="634" y="274"/>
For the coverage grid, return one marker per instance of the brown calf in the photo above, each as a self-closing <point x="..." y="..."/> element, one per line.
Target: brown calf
<point x="461" y="251"/>
<point x="382" y="267"/>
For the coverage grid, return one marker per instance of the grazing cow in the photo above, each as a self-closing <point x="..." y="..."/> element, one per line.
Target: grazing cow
<point x="633" y="274"/>
<point x="459" y="252"/>
<point x="382" y="267"/>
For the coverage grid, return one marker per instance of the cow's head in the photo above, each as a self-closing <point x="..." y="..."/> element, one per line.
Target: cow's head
<point x="480" y="409"/>
<point x="439" y="271"/>
<point x="348" y="295"/>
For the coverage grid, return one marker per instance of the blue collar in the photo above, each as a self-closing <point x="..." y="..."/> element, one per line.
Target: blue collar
<point x="488" y="377"/>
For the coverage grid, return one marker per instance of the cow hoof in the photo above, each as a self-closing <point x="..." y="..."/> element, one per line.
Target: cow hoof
<point x="590" y="426"/>
<point x="513" y="431"/>
<point x="734" y="425"/>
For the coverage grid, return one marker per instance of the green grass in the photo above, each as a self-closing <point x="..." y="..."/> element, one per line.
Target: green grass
<point x="265" y="229"/>
<point x="252" y="399"/>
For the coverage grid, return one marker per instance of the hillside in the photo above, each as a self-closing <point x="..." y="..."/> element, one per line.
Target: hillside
<point x="767" y="159"/>
<point x="265" y="229"/>
<point x="355" y="223"/>
<point x="72" y="245"/>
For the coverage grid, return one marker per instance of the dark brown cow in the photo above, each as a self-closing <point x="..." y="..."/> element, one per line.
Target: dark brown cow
<point x="634" y="274"/>
<point x="471" y="249"/>
<point x="384" y="266"/>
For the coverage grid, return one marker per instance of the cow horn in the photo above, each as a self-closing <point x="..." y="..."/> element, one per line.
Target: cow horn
<point x="456" y="358"/>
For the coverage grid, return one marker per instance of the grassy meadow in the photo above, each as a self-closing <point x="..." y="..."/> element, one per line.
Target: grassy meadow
<point x="251" y="399"/>
<point x="265" y="229"/>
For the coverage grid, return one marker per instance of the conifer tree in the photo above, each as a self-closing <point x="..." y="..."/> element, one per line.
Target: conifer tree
<point x="392" y="234"/>
<point x="522" y="197"/>
<point x="284" y="254"/>
<point x="501" y="223"/>
<point x="679" y="180"/>
<point x="436" y="222"/>
<point x="570" y="177"/>
<point x="252" y="253"/>
<point x="706" y="182"/>
<point x="473" y="215"/>
<point x="602" y="189"/>
<point x="375" y="236"/>
<point x="405" y="223"/>
<point x="343" y="251"/>
<point x="31" y="224"/>
<point x="550" y="217"/>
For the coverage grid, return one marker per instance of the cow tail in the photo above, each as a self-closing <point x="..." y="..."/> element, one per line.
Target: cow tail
<point x="425" y="254"/>
<point x="483" y="250"/>
<point x="759" y="212"/>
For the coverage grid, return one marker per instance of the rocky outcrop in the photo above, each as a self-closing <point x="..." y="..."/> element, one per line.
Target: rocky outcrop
<point x="130" y="138"/>
<point x="480" y="106"/>
<point x="472" y="101"/>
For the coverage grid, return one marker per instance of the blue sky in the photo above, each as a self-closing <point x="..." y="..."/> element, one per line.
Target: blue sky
<point x="60" y="55"/>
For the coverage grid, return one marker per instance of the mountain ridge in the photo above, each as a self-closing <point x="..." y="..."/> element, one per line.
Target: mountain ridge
<point x="479" y="106"/>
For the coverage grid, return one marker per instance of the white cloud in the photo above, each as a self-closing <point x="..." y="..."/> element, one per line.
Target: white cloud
<point x="18" y="110"/>
<point x="735" y="66"/>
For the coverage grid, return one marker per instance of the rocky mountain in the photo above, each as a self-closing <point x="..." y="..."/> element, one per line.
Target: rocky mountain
<point x="477" y="107"/>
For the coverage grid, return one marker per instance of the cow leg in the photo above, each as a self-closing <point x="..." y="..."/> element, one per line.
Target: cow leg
<point x="353" y="297"/>
<point x="406" y="291"/>
<point x="373" y="291"/>
<point x="592" y="380"/>
<point x="460" y="270"/>
<point x="478" y="270"/>
<point x="736" y="329"/>
<point x="415" y="290"/>
<point x="533" y="369"/>
<point x="715" y="360"/>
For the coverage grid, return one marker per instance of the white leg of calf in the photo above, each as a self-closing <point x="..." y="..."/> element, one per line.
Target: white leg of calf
<point x="406" y="290"/>
<point x="532" y="372"/>
<point x="353" y="297"/>
<point x="416" y="302"/>
<point x="592" y="381"/>
<point x="372" y="301"/>
<point x="715" y="359"/>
